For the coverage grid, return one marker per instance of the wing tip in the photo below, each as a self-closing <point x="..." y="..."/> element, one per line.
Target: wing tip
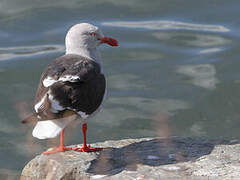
<point x="31" y="118"/>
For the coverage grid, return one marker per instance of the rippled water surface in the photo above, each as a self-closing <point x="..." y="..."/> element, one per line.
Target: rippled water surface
<point x="176" y="71"/>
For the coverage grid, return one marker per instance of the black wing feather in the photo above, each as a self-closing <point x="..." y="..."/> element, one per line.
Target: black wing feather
<point x="85" y="94"/>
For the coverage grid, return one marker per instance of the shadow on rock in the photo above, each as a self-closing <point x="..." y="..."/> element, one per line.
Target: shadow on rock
<point x="155" y="152"/>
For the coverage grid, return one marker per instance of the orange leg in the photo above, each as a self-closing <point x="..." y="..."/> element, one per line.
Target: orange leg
<point x="85" y="147"/>
<point x="61" y="147"/>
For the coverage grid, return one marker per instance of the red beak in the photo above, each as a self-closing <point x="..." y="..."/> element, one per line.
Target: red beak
<point x="108" y="40"/>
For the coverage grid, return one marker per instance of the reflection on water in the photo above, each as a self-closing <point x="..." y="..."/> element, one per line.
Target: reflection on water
<point x="6" y="174"/>
<point x="121" y="108"/>
<point x="167" y="25"/>
<point x="209" y="50"/>
<point x="202" y="75"/>
<point x="198" y="129"/>
<point x="146" y="106"/>
<point x="15" y="6"/>
<point x="24" y="51"/>
<point x="6" y="127"/>
<point x="192" y="39"/>
<point x="143" y="56"/>
<point x="125" y="82"/>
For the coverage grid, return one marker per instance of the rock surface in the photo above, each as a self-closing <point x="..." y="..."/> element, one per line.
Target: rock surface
<point x="146" y="158"/>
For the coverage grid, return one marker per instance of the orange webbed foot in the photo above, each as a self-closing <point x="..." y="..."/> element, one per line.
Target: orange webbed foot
<point x="87" y="148"/>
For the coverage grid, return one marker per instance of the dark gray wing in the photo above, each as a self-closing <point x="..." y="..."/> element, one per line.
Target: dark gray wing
<point x="73" y="83"/>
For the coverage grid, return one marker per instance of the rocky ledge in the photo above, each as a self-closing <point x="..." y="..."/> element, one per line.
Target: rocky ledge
<point x="146" y="158"/>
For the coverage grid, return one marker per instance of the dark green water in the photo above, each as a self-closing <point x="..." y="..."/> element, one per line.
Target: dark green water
<point x="176" y="71"/>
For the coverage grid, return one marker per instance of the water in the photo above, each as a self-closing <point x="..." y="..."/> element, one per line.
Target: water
<point x="176" y="71"/>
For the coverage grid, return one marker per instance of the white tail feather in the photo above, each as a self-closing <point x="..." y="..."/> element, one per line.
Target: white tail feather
<point x="51" y="128"/>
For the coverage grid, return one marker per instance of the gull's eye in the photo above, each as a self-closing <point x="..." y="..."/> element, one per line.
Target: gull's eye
<point x="93" y="34"/>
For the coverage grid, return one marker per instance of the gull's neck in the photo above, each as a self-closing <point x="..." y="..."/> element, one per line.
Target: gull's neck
<point x="90" y="53"/>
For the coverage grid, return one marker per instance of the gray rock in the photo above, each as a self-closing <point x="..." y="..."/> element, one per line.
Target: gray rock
<point x="146" y="158"/>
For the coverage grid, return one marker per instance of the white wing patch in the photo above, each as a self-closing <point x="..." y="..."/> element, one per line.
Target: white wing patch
<point x="40" y="103"/>
<point x="83" y="114"/>
<point x="54" y="103"/>
<point x="69" y="78"/>
<point x="49" y="81"/>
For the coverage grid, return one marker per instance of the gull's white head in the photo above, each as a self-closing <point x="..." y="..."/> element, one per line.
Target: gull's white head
<point x="84" y="38"/>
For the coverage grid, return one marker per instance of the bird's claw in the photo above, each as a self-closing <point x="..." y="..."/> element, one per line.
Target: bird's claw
<point x="87" y="148"/>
